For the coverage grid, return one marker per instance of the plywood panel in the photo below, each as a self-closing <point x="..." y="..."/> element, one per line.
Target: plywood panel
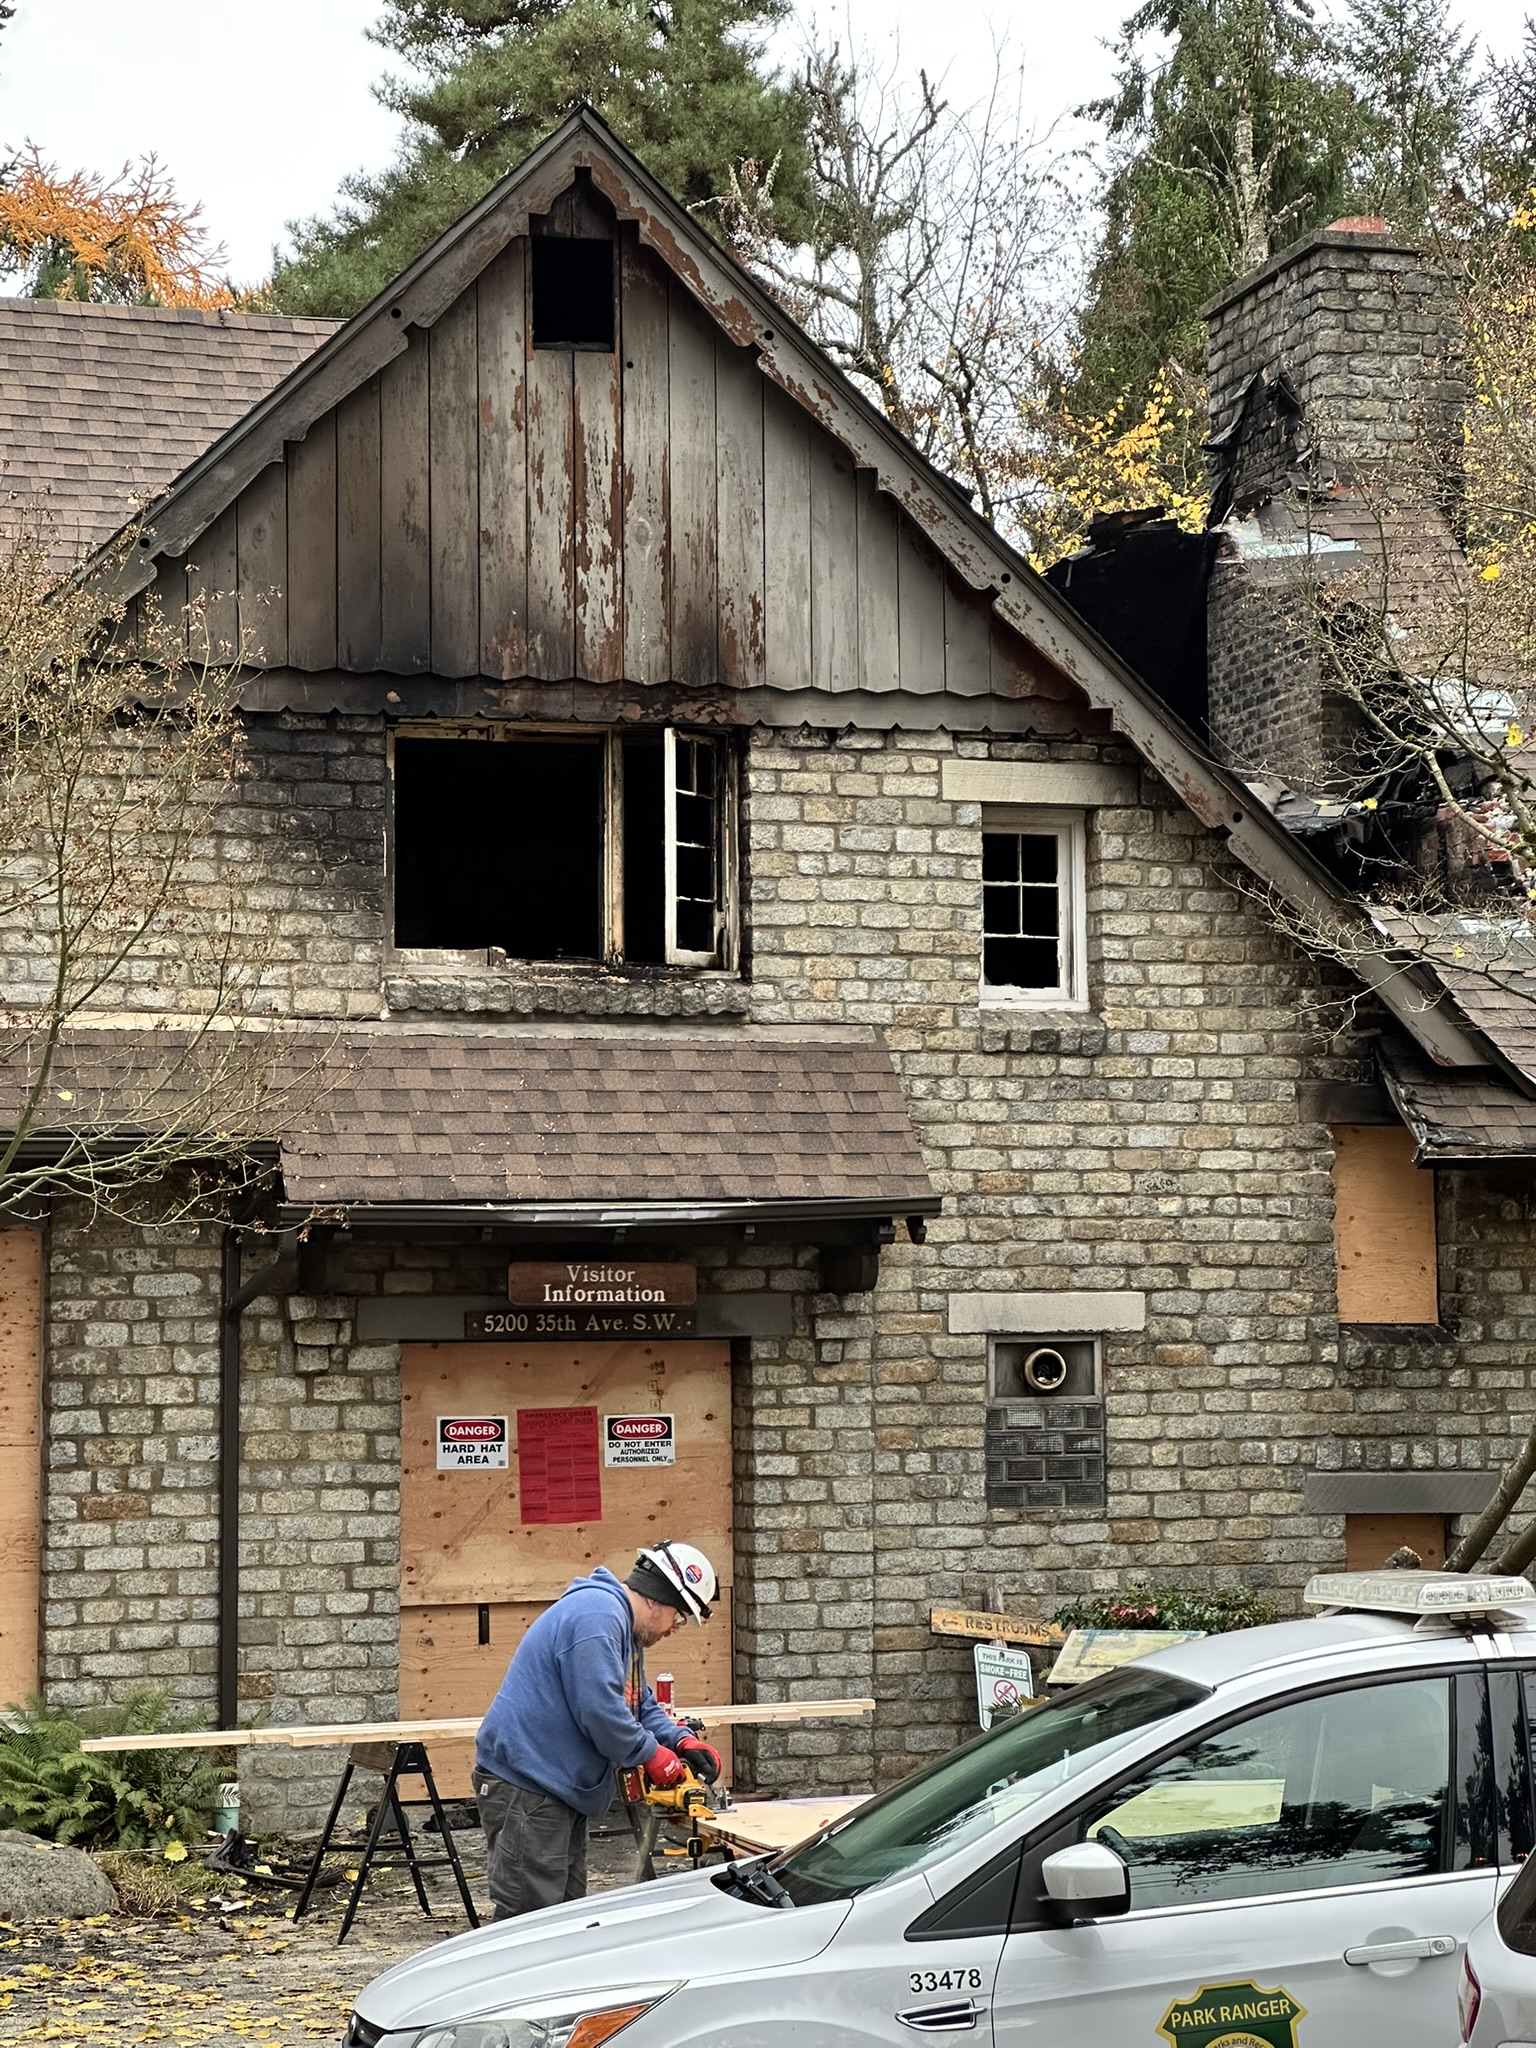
<point x="787" y="541"/>
<point x="405" y="595"/>
<point x="1369" y="1540"/>
<point x="213" y="577"/>
<point x="357" y="528"/>
<point x="739" y="515"/>
<point x="312" y="547"/>
<point x="461" y="1535"/>
<point x="21" y="1347"/>
<point x="454" y="469"/>
<point x="551" y="514"/>
<point x="834" y="567"/>
<point x="598" y="515"/>
<point x="261" y="522"/>
<point x="445" y="1669"/>
<point x="695" y="617"/>
<point x="1384" y="1227"/>
<point x="879" y="598"/>
<point x="645" y="353"/>
<point x="503" y="445"/>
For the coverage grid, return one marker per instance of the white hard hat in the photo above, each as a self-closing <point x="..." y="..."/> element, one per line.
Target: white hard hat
<point x="688" y="1577"/>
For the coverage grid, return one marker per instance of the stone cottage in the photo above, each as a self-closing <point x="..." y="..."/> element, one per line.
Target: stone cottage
<point x="812" y="1066"/>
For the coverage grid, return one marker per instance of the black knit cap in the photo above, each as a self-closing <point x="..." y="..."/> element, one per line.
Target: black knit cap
<point x="651" y="1584"/>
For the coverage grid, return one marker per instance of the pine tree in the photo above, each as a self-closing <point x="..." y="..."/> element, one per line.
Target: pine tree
<point x="681" y="81"/>
<point x="1233" y="143"/>
<point x="1412" y="73"/>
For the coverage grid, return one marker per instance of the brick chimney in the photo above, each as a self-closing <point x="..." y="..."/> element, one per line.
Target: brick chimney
<point x="1332" y="369"/>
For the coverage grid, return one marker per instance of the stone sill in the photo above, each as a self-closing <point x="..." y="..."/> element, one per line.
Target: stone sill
<point x="1072" y="1032"/>
<point x="585" y="995"/>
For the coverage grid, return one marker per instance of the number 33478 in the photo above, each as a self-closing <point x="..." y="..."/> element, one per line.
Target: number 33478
<point x="945" y="1980"/>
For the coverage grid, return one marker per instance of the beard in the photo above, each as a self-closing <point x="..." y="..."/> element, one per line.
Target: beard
<point x="649" y="1633"/>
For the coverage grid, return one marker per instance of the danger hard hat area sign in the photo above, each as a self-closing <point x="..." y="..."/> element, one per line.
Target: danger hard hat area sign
<point x="639" y="1440"/>
<point x="471" y="1443"/>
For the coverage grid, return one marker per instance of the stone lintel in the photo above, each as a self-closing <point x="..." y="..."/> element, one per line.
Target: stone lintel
<point x="1058" y="1312"/>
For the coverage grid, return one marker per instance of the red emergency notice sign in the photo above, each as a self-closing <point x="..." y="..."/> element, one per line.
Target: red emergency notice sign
<point x="559" y="1475"/>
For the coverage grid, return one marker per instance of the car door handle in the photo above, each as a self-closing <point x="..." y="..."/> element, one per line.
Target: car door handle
<point x="1402" y="1951"/>
<point x="958" y="2016"/>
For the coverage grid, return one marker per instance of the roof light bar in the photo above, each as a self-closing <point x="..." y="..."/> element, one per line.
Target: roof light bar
<point x="1418" y="1593"/>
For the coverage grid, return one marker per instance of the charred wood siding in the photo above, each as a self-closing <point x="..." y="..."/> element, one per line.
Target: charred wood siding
<point x="660" y="514"/>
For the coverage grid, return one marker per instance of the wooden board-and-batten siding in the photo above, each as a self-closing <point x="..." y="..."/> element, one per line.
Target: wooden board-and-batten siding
<point x="660" y="514"/>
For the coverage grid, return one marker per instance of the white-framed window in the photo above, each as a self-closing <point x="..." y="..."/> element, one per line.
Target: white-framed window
<point x="566" y="844"/>
<point x="1033" y="920"/>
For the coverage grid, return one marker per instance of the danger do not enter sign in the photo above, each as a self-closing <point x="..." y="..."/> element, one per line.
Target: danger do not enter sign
<point x="639" y="1440"/>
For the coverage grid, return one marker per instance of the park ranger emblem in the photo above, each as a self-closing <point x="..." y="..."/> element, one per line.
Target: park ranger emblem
<point x="1233" y="2016"/>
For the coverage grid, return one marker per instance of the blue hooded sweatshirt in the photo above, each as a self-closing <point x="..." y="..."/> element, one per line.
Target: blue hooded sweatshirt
<point x="562" y="1721"/>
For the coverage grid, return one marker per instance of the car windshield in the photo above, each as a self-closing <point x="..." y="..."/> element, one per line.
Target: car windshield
<point x="980" y="1786"/>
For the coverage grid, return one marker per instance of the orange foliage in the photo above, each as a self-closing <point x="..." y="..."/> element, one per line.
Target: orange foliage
<point x="87" y="237"/>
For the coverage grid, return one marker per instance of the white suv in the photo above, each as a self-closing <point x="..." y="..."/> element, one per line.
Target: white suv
<point x="1279" y="1838"/>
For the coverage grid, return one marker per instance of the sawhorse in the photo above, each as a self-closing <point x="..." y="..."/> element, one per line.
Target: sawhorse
<point x="396" y="1760"/>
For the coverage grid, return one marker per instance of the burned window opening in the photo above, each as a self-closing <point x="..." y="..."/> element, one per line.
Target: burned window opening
<point x="573" y="292"/>
<point x="609" y="847"/>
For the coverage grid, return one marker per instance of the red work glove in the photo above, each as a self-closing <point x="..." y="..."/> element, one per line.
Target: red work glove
<point x="665" y="1768"/>
<point x="704" y="1762"/>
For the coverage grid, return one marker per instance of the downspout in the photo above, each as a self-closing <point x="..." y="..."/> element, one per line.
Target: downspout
<point x="280" y="1275"/>
<point x="231" y="1309"/>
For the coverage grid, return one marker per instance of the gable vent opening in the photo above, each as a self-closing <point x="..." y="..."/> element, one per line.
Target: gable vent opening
<point x="573" y="292"/>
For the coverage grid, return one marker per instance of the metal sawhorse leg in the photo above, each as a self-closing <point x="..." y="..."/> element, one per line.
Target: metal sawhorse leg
<point x="396" y="1760"/>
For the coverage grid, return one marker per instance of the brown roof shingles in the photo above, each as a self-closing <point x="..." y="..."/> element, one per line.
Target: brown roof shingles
<point x="101" y="407"/>
<point x="422" y="1117"/>
<point x="1460" y="1113"/>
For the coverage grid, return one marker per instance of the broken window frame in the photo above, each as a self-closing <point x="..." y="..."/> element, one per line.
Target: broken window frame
<point x="1069" y="829"/>
<point x="723" y="959"/>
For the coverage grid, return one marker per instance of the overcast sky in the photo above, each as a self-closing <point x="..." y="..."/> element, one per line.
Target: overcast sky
<point x="259" y="110"/>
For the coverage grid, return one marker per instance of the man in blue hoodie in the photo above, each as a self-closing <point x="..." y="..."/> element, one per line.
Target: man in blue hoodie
<point x="573" y="1708"/>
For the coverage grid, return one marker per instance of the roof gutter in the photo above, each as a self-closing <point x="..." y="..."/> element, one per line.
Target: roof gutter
<point x="567" y="1216"/>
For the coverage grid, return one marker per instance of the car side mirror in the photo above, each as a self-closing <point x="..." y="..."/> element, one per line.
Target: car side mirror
<point x="1086" y="1882"/>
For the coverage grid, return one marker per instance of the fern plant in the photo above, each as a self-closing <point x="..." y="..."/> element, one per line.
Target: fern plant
<point x="113" y="1799"/>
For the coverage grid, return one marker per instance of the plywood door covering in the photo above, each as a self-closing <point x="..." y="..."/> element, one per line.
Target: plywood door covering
<point x="659" y="514"/>
<point x="21" y="1324"/>
<point x="474" y="1576"/>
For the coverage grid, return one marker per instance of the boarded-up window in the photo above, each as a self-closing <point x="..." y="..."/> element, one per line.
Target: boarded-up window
<point x="1384" y="1227"/>
<point x="1369" y="1540"/>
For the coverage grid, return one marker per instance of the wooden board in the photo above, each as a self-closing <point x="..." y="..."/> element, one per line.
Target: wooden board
<point x="1384" y="1227"/>
<point x="454" y="463"/>
<point x="1369" y="1540"/>
<point x="774" y="1823"/>
<point x="21" y="1330"/>
<point x="460" y="1533"/>
<point x="405" y="587"/>
<point x="979" y="1626"/>
<point x="317" y="1735"/>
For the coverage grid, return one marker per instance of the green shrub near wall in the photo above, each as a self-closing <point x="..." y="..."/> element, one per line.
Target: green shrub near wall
<point x="1143" y="1606"/>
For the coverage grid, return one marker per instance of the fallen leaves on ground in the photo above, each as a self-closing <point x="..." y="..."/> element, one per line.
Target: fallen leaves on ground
<point x="190" y="1983"/>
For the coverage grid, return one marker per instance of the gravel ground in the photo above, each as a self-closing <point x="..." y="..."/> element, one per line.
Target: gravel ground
<point x="216" y="1978"/>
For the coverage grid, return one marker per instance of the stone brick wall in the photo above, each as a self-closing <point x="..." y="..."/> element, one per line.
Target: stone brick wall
<point x="1152" y="1144"/>
<point x="1365" y="331"/>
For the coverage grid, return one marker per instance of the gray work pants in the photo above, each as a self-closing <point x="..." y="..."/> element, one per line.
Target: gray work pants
<point x="536" y="1847"/>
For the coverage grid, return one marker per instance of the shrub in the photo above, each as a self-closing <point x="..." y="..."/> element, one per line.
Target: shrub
<point x="118" y="1799"/>
<point x="1145" y="1606"/>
